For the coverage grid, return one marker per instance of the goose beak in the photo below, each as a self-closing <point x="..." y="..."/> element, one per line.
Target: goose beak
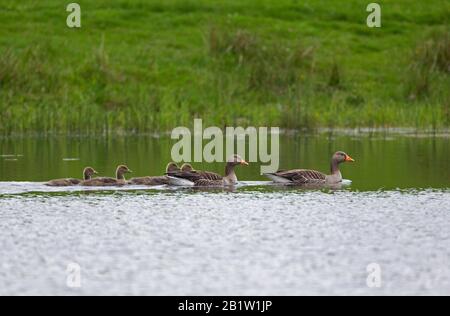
<point x="243" y="162"/>
<point x="349" y="159"/>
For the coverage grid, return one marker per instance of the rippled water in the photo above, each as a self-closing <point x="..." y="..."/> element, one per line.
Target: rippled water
<point x="256" y="239"/>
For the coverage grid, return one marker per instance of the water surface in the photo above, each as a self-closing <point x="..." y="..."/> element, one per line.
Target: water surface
<point x="255" y="239"/>
<point x="382" y="161"/>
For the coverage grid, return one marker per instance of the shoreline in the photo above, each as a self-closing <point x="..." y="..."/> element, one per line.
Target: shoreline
<point x="339" y="131"/>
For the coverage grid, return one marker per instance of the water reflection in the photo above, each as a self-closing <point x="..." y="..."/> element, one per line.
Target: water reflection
<point x="381" y="161"/>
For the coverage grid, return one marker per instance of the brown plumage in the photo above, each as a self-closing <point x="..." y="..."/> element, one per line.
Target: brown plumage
<point x="88" y="172"/>
<point x="188" y="173"/>
<point x="301" y="175"/>
<point x="106" y="181"/>
<point x="206" y="178"/>
<point x="306" y="176"/>
<point x="155" y="180"/>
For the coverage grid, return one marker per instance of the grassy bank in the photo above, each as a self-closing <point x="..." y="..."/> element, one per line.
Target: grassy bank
<point x="153" y="65"/>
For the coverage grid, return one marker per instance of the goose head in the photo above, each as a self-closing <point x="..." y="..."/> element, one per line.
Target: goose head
<point x="171" y="167"/>
<point x="88" y="172"/>
<point x="340" y="157"/>
<point x="121" y="171"/>
<point x="235" y="160"/>
<point x="187" y="167"/>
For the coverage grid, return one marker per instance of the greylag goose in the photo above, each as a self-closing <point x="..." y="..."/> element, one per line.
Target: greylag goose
<point x="187" y="167"/>
<point x="156" y="180"/>
<point x="210" y="179"/>
<point x="188" y="173"/>
<point x="88" y="172"/>
<point x="106" y="181"/>
<point x="305" y="176"/>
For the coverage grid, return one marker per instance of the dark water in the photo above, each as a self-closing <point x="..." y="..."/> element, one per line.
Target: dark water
<point x="254" y="240"/>
<point x="381" y="161"/>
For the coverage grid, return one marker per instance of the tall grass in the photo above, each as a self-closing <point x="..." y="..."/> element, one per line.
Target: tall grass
<point x="430" y="63"/>
<point x="267" y="68"/>
<point x="138" y="66"/>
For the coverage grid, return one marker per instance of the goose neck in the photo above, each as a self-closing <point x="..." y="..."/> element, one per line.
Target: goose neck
<point x="229" y="172"/>
<point x="119" y="175"/>
<point x="334" y="166"/>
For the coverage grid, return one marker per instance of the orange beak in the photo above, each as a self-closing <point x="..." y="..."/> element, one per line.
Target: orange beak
<point x="350" y="159"/>
<point x="245" y="163"/>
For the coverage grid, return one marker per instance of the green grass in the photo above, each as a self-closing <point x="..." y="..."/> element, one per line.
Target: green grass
<point x="144" y="66"/>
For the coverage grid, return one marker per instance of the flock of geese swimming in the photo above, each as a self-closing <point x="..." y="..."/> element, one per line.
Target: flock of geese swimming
<point x="188" y="176"/>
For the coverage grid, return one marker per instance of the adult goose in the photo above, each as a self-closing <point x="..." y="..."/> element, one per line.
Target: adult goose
<point x="106" y="181"/>
<point x="209" y="179"/>
<point x="306" y="176"/>
<point x="88" y="172"/>
<point x="156" y="180"/>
